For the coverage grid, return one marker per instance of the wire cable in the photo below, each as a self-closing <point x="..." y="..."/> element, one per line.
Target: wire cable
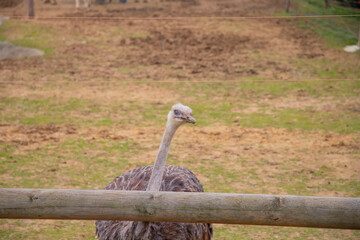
<point x="24" y="17"/>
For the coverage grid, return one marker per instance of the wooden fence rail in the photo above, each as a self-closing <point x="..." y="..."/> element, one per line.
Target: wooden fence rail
<point x="250" y="209"/>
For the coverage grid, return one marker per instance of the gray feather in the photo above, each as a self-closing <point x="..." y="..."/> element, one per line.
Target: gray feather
<point x="176" y="179"/>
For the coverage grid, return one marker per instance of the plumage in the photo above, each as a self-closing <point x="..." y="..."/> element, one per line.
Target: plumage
<point x="176" y="179"/>
<point x="158" y="178"/>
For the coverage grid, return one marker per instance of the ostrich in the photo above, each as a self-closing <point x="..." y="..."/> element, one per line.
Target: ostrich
<point x="158" y="178"/>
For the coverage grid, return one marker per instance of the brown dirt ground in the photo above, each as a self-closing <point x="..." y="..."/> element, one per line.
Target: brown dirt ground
<point x="217" y="53"/>
<point x="220" y="52"/>
<point x="172" y="51"/>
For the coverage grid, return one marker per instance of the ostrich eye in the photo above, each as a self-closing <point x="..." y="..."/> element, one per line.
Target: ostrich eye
<point x="176" y="112"/>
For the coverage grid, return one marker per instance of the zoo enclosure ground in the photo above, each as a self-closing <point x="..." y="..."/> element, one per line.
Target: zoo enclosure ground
<point x="277" y="107"/>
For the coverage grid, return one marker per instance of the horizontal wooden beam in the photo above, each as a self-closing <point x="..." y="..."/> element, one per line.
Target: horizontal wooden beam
<point x="249" y="209"/>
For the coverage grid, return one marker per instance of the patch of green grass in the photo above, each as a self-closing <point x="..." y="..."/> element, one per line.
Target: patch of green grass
<point x="104" y="122"/>
<point x="141" y="35"/>
<point x="294" y="160"/>
<point x="67" y="164"/>
<point x="209" y="114"/>
<point x="352" y="187"/>
<point x="154" y="114"/>
<point x="42" y="111"/>
<point x="290" y="118"/>
<point x="342" y="122"/>
<point x="338" y="31"/>
<point x="230" y="232"/>
<point x="28" y="34"/>
<point x="42" y="119"/>
<point x="243" y="92"/>
<point x="220" y="177"/>
<point x="294" y="187"/>
<point x="324" y="69"/>
<point x="36" y="229"/>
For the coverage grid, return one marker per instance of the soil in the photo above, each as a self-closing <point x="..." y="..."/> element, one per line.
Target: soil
<point x="173" y="50"/>
<point x="103" y="54"/>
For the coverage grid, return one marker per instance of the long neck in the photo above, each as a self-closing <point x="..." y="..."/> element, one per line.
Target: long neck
<point x="160" y="162"/>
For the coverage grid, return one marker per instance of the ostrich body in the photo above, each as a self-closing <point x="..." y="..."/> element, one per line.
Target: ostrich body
<point x="158" y="178"/>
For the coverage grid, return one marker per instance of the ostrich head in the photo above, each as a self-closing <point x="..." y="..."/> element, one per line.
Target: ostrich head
<point x="180" y="114"/>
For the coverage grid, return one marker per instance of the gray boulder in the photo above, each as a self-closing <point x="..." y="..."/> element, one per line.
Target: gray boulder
<point x="10" y="51"/>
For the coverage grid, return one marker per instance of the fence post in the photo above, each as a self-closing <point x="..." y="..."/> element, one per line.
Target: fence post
<point x="30" y="5"/>
<point x="287" y="5"/>
<point x="327" y="3"/>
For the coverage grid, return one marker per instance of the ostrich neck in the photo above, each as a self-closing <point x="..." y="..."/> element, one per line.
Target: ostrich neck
<point x="160" y="162"/>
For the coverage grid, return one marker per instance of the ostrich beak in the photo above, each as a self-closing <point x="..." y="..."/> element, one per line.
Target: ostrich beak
<point x="190" y="119"/>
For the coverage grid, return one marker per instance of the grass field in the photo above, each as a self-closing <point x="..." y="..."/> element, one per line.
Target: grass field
<point x="278" y="110"/>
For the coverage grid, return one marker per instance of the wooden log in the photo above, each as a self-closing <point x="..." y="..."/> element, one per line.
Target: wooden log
<point x="250" y="209"/>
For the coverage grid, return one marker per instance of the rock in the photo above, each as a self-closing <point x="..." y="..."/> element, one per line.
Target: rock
<point x="352" y="48"/>
<point x="10" y="51"/>
<point x="2" y="19"/>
